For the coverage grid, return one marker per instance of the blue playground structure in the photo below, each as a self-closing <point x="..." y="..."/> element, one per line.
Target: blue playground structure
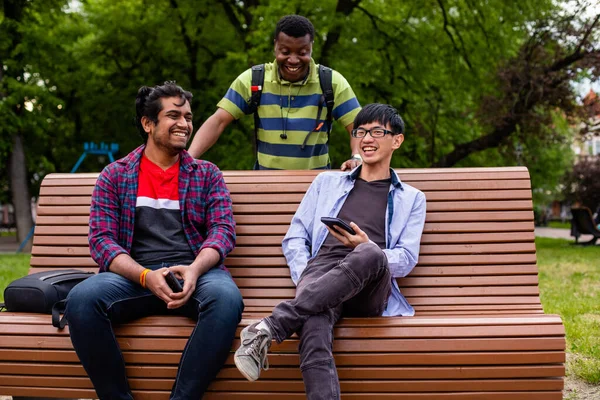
<point x="101" y="149"/>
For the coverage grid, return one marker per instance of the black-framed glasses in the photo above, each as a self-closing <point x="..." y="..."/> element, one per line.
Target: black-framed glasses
<point x="375" y="132"/>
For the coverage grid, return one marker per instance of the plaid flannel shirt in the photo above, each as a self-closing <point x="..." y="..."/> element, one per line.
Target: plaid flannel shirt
<point x="204" y="203"/>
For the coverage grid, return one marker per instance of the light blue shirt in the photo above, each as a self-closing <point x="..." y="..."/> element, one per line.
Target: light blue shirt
<point x="405" y="218"/>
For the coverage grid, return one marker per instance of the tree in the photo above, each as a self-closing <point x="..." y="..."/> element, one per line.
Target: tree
<point x="583" y="185"/>
<point x="20" y="95"/>
<point x="535" y="83"/>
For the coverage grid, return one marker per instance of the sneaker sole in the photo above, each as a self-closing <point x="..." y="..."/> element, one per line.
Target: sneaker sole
<point x="239" y="368"/>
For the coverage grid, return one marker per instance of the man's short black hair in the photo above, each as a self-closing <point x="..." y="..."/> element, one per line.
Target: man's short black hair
<point x="382" y="113"/>
<point x="148" y="103"/>
<point x="295" y="26"/>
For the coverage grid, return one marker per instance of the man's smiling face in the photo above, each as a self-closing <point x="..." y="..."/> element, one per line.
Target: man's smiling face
<point x="378" y="150"/>
<point x="293" y="56"/>
<point x="174" y="127"/>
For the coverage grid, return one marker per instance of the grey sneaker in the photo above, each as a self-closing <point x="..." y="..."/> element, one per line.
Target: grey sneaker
<point x="252" y="354"/>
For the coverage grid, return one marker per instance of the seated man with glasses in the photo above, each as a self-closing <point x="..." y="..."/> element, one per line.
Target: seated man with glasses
<point x="341" y="274"/>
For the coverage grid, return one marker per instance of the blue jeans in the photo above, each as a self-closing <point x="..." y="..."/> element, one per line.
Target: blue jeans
<point x="105" y="299"/>
<point x="356" y="286"/>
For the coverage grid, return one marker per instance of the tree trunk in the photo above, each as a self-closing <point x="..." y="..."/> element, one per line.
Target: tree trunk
<point x="20" y="191"/>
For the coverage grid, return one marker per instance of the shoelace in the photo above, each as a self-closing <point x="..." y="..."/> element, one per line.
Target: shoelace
<point x="253" y="350"/>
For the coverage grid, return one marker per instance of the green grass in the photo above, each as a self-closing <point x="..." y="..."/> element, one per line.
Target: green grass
<point x="570" y="286"/>
<point x="559" y="224"/>
<point x="12" y="266"/>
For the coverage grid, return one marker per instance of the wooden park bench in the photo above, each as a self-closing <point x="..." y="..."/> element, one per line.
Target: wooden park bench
<point x="479" y="332"/>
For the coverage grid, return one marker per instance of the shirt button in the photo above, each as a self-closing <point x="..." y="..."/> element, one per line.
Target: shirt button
<point x="293" y="98"/>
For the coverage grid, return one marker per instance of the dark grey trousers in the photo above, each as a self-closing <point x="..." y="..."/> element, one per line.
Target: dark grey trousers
<point x="356" y="286"/>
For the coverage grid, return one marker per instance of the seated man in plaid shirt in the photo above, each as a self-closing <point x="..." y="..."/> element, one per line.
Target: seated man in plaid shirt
<point x="155" y="211"/>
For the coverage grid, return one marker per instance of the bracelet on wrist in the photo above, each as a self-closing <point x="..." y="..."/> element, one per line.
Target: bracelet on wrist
<point x="143" y="277"/>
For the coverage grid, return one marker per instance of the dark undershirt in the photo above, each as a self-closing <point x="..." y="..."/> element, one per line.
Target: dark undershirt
<point x="158" y="234"/>
<point x="365" y="206"/>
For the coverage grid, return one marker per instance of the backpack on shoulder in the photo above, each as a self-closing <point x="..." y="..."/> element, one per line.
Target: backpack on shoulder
<point x="325" y="80"/>
<point x="43" y="292"/>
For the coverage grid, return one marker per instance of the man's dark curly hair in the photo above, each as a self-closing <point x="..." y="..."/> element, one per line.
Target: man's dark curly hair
<point x="148" y="103"/>
<point x="295" y="26"/>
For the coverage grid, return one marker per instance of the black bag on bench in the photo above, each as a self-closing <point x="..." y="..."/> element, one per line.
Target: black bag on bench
<point x="43" y="292"/>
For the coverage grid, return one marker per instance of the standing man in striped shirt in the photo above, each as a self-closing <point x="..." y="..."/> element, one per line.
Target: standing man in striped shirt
<point x="154" y="212"/>
<point x="293" y="130"/>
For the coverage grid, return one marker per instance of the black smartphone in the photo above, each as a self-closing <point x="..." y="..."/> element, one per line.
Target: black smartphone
<point x="331" y="222"/>
<point x="173" y="282"/>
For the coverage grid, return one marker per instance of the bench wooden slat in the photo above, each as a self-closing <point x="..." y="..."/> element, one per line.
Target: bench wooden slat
<point x="285" y="219"/>
<point x="461" y="281"/>
<point x="82" y="202"/>
<point x="493" y="205"/>
<point x="40" y="261"/>
<point x="64" y="201"/>
<point x="349" y="328"/>
<point x="433" y="227"/>
<point x="296" y="385"/>
<point x="414" y="174"/>
<point x="404" y="344"/>
<point x="283" y="185"/>
<point x="448" y="271"/>
<point x="502" y="302"/>
<point x="164" y="395"/>
<point x="426" y="186"/>
<point x="275" y="240"/>
<point x="262" y="251"/>
<point x="515" y="194"/>
<point x="413" y="372"/>
<point x="44" y="320"/>
<point x="288" y="293"/>
<point x="400" y="396"/>
<point x="355" y="360"/>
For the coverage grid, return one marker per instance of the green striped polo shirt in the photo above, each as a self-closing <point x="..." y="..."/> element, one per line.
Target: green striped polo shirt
<point x="292" y="108"/>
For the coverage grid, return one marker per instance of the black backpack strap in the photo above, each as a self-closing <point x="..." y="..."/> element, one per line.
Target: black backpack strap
<point x="57" y="309"/>
<point x="2" y="307"/>
<point x="258" y="80"/>
<point x="326" y="79"/>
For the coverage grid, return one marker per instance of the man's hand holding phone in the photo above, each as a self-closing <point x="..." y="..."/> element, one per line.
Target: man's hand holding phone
<point x="158" y="284"/>
<point x="173" y="282"/>
<point x="189" y="276"/>
<point x="350" y="235"/>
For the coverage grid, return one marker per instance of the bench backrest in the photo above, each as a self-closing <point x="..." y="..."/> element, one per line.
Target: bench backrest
<point x="477" y="251"/>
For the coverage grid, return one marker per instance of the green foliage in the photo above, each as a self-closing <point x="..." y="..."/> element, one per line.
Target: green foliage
<point x="569" y="277"/>
<point x="30" y="104"/>
<point x="12" y="266"/>
<point x="559" y="224"/>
